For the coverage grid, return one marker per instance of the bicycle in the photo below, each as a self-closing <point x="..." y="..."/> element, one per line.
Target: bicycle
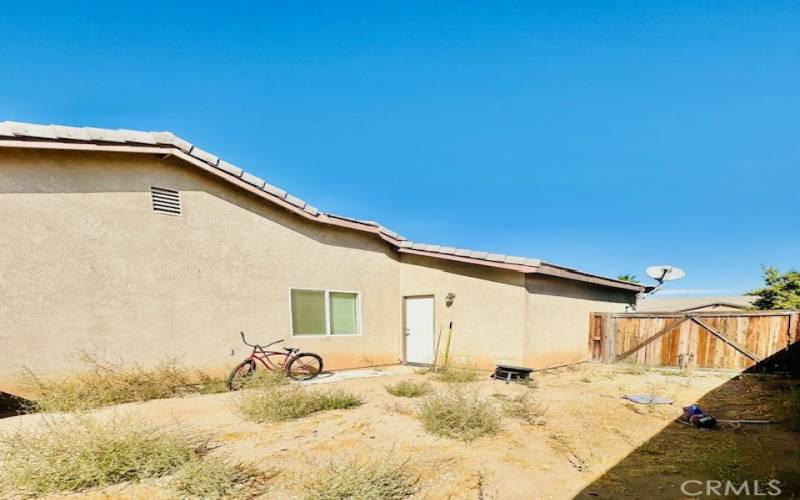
<point x="297" y="365"/>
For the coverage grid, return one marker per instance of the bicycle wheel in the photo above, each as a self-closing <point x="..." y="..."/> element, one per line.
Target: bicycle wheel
<point x="304" y="366"/>
<point x="240" y="374"/>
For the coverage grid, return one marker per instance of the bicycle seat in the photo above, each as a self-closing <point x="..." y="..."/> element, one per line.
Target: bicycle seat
<point x="291" y="349"/>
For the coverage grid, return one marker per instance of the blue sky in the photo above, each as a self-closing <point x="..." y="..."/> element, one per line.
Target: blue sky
<point x="606" y="136"/>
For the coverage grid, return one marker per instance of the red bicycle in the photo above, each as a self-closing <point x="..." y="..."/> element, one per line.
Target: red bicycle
<point x="297" y="365"/>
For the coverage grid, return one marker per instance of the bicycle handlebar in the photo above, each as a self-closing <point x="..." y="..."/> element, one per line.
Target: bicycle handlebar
<point x="258" y="345"/>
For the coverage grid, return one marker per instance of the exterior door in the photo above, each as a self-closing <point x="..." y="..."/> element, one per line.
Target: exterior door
<point x="419" y="338"/>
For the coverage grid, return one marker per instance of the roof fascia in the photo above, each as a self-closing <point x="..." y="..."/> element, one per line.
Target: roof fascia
<point x="457" y="258"/>
<point x="572" y="274"/>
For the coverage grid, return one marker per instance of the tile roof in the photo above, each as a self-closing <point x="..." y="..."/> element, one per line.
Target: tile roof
<point x="17" y="134"/>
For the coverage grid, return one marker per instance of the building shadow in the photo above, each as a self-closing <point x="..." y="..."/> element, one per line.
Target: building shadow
<point x="11" y="405"/>
<point x="682" y="461"/>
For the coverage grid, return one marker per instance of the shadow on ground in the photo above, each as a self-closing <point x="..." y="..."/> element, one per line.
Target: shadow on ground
<point x="11" y="405"/>
<point x="732" y="452"/>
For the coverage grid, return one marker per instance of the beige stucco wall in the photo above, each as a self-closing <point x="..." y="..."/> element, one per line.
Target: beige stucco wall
<point x="502" y="316"/>
<point x="87" y="265"/>
<point x="487" y="313"/>
<point x="557" y="318"/>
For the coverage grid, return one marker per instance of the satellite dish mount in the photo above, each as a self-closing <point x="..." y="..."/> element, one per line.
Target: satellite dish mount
<point x="664" y="273"/>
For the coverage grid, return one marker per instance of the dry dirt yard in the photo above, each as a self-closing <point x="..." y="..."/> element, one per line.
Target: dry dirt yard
<point x="590" y="442"/>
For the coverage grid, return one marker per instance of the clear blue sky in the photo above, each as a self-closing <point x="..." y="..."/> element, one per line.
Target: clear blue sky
<point x="604" y="136"/>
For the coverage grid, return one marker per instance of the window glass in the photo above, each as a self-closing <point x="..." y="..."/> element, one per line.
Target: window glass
<point x="308" y="312"/>
<point x="344" y="313"/>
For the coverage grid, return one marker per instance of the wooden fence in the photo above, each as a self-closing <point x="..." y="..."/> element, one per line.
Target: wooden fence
<point x="723" y="340"/>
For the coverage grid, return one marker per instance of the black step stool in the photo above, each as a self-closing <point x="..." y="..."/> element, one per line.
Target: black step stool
<point x="511" y="373"/>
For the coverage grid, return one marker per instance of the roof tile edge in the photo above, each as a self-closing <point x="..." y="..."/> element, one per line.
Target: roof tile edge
<point x="60" y="133"/>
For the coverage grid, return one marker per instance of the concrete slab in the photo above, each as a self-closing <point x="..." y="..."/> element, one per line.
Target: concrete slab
<point x="338" y="376"/>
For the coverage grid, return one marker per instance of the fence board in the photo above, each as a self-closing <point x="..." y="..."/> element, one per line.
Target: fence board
<point x="641" y="339"/>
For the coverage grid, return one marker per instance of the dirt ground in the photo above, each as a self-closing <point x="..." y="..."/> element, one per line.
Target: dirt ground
<point x="592" y="444"/>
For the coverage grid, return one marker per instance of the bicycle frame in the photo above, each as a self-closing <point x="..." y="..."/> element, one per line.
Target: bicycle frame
<point x="264" y="357"/>
<point x="290" y="362"/>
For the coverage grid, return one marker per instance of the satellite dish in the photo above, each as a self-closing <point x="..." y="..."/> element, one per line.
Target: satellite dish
<point x="665" y="273"/>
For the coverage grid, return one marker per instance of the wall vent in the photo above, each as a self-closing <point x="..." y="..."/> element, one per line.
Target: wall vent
<point x="166" y="201"/>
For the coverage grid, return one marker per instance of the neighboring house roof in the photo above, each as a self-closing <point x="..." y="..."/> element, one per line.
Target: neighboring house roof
<point x="687" y="304"/>
<point x="28" y="135"/>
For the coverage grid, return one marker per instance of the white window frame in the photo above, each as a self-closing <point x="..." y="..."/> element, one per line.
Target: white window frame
<point x="327" y="293"/>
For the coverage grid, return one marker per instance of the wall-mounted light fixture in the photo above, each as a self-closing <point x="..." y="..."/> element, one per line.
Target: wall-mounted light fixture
<point x="449" y="299"/>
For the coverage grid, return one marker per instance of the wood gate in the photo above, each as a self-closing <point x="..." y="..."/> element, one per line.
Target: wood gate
<point x="724" y="340"/>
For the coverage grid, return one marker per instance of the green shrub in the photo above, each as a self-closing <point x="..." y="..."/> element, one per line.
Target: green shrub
<point x="459" y="414"/>
<point x="72" y="454"/>
<point x="106" y="383"/>
<point x="408" y="389"/>
<point x="375" y="479"/>
<point x="458" y="374"/>
<point x="279" y="403"/>
<point x="212" y="478"/>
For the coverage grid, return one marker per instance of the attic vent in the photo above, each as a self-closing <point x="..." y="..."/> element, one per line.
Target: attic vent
<point x="166" y="201"/>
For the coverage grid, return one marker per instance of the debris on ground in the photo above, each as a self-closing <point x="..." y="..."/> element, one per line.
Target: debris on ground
<point x="694" y="415"/>
<point x="643" y="399"/>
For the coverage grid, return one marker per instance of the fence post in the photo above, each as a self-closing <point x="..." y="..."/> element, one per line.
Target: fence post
<point x="609" y="338"/>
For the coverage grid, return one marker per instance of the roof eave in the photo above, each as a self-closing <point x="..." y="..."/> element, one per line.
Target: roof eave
<point x="166" y="144"/>
<point x="521" y="268"/>
<point x="167" y="151"/>
<point x="574" y="274"/>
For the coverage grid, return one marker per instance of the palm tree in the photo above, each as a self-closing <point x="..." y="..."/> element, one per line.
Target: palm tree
<point x="630" y="278"/>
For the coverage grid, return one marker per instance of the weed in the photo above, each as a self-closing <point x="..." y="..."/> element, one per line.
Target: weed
<point x="207" y="384"/>
<point x="260" y="379"/>
<point x="634" y="370"/>
<point x="398" y="408"/>
<point x="213" y="478"/>
<point x="72" y="454"/>
<point x="459" y="414"/>
<point x="278" y="403"/>
<point x="461" y="374"/>
<point x="106" y="383"/>
<point x="366" y="479"/>
<point x="525" y="408"/>
<point x="408" y="389"/>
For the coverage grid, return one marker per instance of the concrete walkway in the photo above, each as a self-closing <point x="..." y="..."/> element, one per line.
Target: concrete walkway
<point x="338" y="376"/>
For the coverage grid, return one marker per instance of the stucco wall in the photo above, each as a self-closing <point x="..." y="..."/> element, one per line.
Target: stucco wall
<point x="488" y="312"/>
<point x="557" y="318"/>
<point x="87" y="265"/>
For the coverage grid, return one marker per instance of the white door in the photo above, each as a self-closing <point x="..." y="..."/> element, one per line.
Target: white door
<point x="419" y="330"/>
